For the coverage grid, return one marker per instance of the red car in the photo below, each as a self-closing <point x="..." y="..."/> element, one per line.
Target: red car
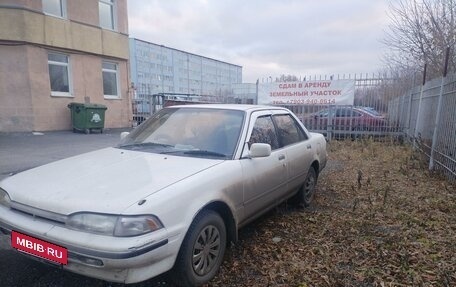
<point x="346" y="119"/>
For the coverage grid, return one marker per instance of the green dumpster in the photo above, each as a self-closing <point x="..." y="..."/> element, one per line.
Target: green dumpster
<point x="87" y="117"/>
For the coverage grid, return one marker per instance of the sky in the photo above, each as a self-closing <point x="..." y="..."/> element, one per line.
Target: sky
<point x="269" y="38"/>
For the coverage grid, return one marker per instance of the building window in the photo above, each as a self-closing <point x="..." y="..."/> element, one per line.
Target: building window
<point x="59" y="74"/>
<point x="106" y="12"/>
<point x="110" y="80"/>
<point x="55" y="7"/>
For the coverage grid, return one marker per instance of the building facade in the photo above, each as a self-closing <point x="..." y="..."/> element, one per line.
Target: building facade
<point x="245" y="93"/>
<point x="159" y="69"/>
<point x="54" y="52"/>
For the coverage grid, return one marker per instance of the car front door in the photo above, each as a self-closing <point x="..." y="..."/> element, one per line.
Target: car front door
<point x="265" y="178"/>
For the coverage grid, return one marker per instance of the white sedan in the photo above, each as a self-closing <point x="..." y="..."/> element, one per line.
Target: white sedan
<point x="171" y="195"/>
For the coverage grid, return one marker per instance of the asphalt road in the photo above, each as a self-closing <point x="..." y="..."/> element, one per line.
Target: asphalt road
<point x="22" y="151"/>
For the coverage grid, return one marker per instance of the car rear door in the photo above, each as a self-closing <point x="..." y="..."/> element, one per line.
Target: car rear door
<point x="297" y="146"/>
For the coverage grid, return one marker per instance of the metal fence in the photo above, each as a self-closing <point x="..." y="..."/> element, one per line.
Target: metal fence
<point x="427" y="114"/>
<point x="145" y="103"/>
<point x="367" y="117"/>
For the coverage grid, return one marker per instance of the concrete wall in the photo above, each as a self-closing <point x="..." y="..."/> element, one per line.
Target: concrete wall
<point x="82" y="11"/>
<point x="16" y="112"/>
<point x="28" y="4"/>
<point x="26" y="103"/>
<point x="32" y="27"/>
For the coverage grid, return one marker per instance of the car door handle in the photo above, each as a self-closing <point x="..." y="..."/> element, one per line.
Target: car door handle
<point x="309" y="146"/>
<point x="281" y="157"/>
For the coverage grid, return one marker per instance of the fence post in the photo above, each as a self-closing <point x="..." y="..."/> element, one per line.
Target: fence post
<point x="415" y="134"/>
<point x="436" y="126"/>
<point x="329" y="124"/>
<point x="409" y="112"/>
<point x="402" y="115"/>
<point x="439" y="111"/>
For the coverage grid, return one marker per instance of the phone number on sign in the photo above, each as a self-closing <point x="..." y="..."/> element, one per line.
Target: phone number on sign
<point x="305" y="102"/>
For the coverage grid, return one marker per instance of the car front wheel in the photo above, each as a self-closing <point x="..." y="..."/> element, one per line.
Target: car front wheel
<point x="202" y="250"/>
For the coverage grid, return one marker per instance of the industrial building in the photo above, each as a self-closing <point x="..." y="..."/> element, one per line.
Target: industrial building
<point x="157" y="69"/>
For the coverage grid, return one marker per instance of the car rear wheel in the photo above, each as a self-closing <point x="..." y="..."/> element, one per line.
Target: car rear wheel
<point x="307" y="192"/>
<point x="202" y="250"/>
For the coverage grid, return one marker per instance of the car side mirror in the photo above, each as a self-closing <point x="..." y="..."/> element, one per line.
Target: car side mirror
<point x="260" y="150"/>
<point x="123" y="135"/>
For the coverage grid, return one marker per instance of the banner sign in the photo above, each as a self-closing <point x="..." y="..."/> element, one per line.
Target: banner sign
<point x="335" y="92"/>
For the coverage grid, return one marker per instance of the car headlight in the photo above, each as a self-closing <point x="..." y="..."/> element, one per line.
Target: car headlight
<point x="136" y="225"/>
<point x="4" y="198"/>
<point x="114" y="225"/>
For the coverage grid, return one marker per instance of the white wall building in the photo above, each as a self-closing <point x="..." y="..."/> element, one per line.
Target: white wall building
<point x="159" y="69"/>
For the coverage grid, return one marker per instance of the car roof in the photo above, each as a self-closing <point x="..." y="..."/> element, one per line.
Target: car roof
<point x="237" y="107"/>
<point x="345" y="108"/>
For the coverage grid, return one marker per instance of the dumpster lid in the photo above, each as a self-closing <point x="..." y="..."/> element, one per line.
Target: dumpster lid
<point x="87" y="105"/>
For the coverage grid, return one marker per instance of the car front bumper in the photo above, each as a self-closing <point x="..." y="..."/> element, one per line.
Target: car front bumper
<point x="115" y="259"/>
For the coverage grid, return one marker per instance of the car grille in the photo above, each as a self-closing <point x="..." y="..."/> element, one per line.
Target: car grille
<point x="38" y="213"/>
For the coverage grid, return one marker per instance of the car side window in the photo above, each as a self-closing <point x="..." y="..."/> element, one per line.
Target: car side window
<point x="288" y="129"/>
<point x="323" y="113"/>
<point x="342" y="113"/>
<point x="347" y="112"/>
<point x="264" y="132"/>
<point x="356" y="114"/>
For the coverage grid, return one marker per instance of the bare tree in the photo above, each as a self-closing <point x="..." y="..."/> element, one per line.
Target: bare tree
<point x="419" y="33"/>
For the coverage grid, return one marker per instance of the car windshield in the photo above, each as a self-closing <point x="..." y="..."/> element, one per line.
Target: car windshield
<point x="325" y="113"/>
<point x="195" y="132"/>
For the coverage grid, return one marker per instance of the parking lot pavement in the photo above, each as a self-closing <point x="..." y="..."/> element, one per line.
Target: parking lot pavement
<point x="22" y="151"/>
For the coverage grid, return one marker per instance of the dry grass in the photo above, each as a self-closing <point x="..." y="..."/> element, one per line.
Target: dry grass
<point x="379" y="219"/>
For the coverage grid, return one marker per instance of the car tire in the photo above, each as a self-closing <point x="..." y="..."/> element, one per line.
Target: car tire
<point x="307" y="191"/>
<point x="202" y="250"/>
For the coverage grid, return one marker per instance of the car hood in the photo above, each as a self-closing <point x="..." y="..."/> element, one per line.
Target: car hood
<point x="108" y="180"/>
